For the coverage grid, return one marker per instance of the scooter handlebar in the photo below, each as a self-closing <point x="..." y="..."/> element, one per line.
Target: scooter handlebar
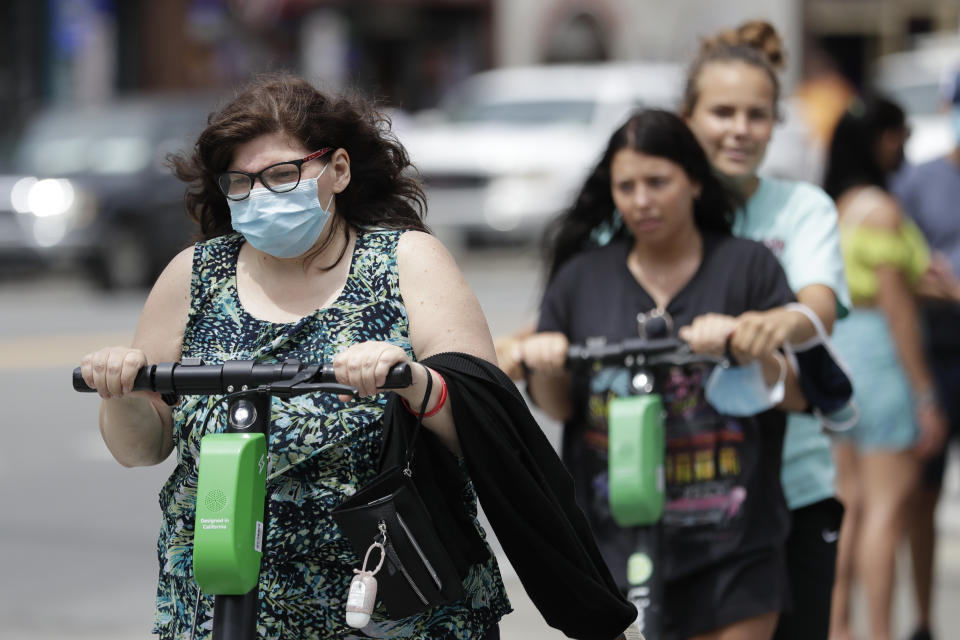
<point x="192" y="377"/>
<point x="637" y="351"/>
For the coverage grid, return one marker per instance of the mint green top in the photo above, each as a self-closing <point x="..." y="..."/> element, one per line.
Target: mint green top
<point x="798" y="222"/>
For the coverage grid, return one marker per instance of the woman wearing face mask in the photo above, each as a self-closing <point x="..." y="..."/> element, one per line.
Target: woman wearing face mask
<point x="314" y="249"/>
<point x="725" y="573"/>
<point x="730" y="103"/>
<point x="879" y="460"/>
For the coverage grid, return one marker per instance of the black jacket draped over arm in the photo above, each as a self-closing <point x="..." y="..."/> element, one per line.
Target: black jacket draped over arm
<point x="526" y="494"/>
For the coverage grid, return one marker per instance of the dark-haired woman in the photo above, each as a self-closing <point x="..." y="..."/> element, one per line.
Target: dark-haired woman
<point x="878" y="460"/>
<point x="674" y="254"/>
<point x="313" y="248"/>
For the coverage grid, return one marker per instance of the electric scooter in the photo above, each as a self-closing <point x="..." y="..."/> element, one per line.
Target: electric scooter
<point x="232" y="468"/>
<point x="636" y="457"/>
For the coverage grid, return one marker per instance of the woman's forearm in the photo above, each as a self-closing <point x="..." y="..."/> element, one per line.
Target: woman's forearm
<point x="931" y="287"/>
<point x="441" y="423"/>
<point x="823" y="302"/>
<point x="551" y="393"/>
<point x="775" y="366"/>
<point x="897" y="302"/>
<point x="134" y="430"/>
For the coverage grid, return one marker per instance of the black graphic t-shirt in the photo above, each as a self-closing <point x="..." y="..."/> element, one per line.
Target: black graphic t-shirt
<point x="723" y="493"/>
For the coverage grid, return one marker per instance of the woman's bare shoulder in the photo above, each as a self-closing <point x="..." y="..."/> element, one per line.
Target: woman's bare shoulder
<point x="164" y="317"/>
<point x="871" y="207"/>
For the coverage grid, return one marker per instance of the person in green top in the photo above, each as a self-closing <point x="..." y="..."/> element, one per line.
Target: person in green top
<point x="901" y="423"/>
<point x="731" y="104"/>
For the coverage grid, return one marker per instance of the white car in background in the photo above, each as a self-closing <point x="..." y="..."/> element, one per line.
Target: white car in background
<point x="92" y="191"/>
<point x="915" y="80"/>
<point x="507" y="151"/>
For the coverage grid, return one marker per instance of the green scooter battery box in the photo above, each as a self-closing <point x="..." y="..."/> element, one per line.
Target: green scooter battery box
<point x="635" y="459"/>
<point x="228" y="532"/>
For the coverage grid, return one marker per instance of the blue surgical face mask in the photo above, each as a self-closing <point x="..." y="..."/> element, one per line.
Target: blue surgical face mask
<point x="284" y="225"/>
<point x="742" y="391"/>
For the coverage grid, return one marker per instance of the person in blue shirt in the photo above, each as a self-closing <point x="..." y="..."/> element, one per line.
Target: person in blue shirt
<point x="929" y="194"/>
<point x="730" y="103"/>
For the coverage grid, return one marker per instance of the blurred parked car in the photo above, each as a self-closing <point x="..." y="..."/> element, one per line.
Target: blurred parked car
<point x="508" y="150"/>
<point x="915" y="80"/>
<point x="92" y="190"/>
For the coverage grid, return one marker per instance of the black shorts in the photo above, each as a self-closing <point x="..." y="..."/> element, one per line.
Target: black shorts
<point x="946" y="373"/>
<point x="720" y="595"/>
<point x="811" y="563"/>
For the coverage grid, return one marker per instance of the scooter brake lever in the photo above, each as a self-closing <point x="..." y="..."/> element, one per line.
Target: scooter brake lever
<point x="289" y="391"/>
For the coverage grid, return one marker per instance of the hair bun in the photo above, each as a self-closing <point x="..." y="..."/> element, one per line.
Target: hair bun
<point x="756" y="34"/>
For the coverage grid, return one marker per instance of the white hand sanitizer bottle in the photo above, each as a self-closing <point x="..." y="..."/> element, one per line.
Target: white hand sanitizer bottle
<point x="361" y="600"/>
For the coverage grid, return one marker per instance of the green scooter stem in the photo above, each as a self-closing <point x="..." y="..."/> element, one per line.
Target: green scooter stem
<point x="228" y="531"/>
<point x="637" y="446"/>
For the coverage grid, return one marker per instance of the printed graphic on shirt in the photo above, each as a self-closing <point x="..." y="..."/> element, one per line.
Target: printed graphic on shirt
<point x="705" y="460"/>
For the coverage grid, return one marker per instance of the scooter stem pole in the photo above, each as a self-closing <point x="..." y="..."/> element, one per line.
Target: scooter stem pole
<point x="235" y="617"/>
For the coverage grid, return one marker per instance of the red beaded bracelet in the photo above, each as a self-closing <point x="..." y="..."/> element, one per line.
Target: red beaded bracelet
<point x="440" y="402"/>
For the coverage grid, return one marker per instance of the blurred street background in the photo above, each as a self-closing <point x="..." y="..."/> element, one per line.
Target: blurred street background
<point x="503" y="105"/>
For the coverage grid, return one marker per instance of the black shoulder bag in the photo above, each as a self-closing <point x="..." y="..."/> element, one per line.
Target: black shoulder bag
<point x="418" y="573"/>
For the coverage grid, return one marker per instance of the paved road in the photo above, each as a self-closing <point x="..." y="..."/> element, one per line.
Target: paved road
<point x="78" y="532"/>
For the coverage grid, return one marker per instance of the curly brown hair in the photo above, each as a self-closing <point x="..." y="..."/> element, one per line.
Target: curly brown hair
<point x="755" y="43"/>
<point x="383" y="192"/>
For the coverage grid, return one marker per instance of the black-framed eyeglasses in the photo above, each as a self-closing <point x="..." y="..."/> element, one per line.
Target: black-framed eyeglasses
<point x="279" y="178"/>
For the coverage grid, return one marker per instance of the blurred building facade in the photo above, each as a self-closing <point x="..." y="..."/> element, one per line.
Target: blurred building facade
<point x="539" y="31"/>
<point x="405" y="52"/>
<point x="856" y="32"/>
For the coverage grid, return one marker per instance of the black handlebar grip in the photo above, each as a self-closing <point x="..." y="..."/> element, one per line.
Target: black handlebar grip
<point x="79" y="384"/>
<point x="400" y="376"/>
<point x="141" y="383"/>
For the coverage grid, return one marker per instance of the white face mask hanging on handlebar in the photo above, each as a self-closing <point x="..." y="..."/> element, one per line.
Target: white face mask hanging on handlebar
<point x="822" y="375"/>
<point x="741" y="391"/>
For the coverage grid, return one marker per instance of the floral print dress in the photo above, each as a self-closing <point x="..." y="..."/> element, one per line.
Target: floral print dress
<point x="321" y="450"/>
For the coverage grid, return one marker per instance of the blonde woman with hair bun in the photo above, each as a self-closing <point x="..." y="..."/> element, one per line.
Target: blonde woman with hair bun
<point x="731" y="102"/>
